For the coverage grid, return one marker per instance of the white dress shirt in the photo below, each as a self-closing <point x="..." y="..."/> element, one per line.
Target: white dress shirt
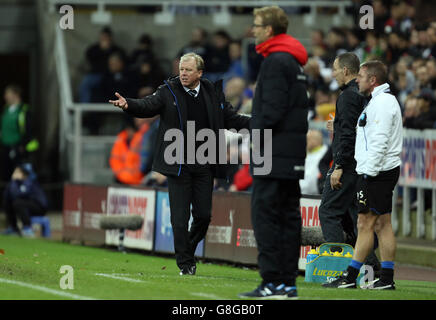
<point x="197" y="89"/>
<point x="379" y="143"/>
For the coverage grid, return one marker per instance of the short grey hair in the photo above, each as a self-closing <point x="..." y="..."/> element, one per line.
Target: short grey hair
<point x="192" y="55"/>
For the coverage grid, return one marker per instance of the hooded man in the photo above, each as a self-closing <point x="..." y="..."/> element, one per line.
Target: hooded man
<point x="281" y="105"/>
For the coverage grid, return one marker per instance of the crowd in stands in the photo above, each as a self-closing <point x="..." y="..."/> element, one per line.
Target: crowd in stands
<point x="406" y="45"/>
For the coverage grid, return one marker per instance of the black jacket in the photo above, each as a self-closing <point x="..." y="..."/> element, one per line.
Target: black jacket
<point x="169" y="101"/>
<point x="281" y="104"/>
<point x="349" y="106"/>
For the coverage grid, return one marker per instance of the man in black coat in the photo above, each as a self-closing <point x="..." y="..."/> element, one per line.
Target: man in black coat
<point x="182" y="101"/>
<point x="280" y="107"/>
<point x="338" y="209"/>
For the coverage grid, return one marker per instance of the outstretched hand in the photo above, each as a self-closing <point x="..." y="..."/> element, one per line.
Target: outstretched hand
<point x="120" y="103"/>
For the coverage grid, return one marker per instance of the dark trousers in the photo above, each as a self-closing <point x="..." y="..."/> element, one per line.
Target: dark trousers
<point x="10" y="158"/>
<point x="22" y="209"/>
<point x="193" y="186"/>
<point x="276" y="219"/>
<point x="338" y="209"/>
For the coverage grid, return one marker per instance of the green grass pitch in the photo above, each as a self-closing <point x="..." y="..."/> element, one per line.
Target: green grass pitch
<point x="30" y="269"/>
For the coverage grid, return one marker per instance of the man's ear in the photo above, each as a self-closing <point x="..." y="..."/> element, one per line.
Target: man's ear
<point x="270" y="31"/>
<point x="345" y="71"/>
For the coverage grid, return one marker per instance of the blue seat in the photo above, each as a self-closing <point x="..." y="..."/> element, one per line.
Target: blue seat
<point x="44" y="222"/>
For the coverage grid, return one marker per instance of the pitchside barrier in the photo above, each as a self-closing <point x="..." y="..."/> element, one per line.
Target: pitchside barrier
<point x="230" y="236"/>
<point x="418" y="171"/>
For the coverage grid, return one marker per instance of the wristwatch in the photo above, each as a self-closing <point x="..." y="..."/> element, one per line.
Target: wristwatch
<point x="338" y="166"/>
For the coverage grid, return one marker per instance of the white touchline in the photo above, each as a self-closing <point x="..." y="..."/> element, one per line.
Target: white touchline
<point x="48" y="290"/>
<point x="118" y="278"/>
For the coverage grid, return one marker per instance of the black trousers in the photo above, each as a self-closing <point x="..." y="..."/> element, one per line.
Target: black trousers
<point x="22" y="209"/>
<point x="276" y="220"/>
<point x="10" y="158"/>
<point x="338" y="209"/>
<point x="193" y="186"/>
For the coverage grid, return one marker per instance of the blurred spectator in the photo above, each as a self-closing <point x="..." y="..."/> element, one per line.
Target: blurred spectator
<point x="317" y="39"/>
<point x="354" y="42"/>
<point x="197" y="44"/>
<point x="400" y="18"/>
<point x="143" y="51"/>
<point x="423" y="77"/>
<point x="22" y="199"/>
<point x="420" y="113"/>
<point x="420" y="42"/>
<point x="315" y="152"/>
<point x="17" y="143"/>
<point x="147" y="78"/>
<point x="234" y="91"/>
<point x="117" y="79"/>
<point x="410" y="112"/>
<point x="431" y="69"/>
<point x="426" y="117"/>
<point x="323" y="104"/>
<point x="236" y="69"/>
<point x="97" y="56"/>
<point x="314" y="81"/>
<point x="381" y="15"/>
<point x="217" y="60"/>
<point x="335" y="44"/>
<point x="125" y="159"/>
<point x="372" y="49"/>
<point x="431" y="31"/>
<point x="404" y="80"/>
<point x="145" y="68"/>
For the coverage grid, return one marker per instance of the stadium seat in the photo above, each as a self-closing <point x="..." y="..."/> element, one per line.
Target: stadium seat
<point x="44" y="222"/>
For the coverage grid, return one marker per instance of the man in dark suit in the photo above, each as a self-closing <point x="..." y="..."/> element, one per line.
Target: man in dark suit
<point x="280" y="105"/>
<point x="182" y="101"/>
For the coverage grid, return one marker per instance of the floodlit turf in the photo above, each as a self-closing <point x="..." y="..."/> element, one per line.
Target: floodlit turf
<point x="30" y="269"/>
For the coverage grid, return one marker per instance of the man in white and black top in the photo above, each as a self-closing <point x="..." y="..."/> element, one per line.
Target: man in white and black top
<point x="378" y="147"/>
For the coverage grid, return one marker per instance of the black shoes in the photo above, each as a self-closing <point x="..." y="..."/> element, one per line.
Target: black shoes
<point x="380" y="285"/>
<point x="270" y="291"/>
<point x="189" y="270"/>
<point x="340" y="282"/>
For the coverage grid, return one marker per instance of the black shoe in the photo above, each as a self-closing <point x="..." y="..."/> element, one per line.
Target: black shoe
<point x="340" y="282"/>
<point x="190" y="270"/>
<point x="270" y="291"/>
<point x="380" y="285"/>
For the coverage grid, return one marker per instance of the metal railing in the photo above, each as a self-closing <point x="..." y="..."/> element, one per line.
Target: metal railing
<point x="209" y="3"/>
<point x="71" y="114"/>
<point x="418" y="172"/>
